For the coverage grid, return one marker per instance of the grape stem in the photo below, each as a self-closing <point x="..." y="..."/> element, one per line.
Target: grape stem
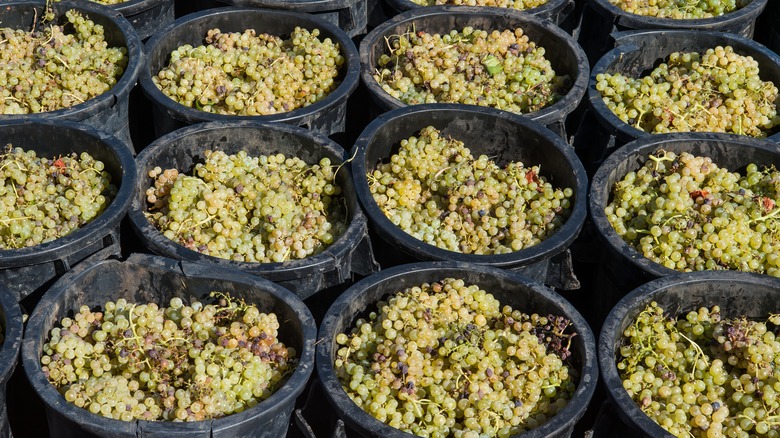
<point x="699" y="353"/>
<point x="661" y="158"/>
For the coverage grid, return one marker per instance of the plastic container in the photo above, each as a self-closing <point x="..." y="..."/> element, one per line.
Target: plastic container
<point x="28" y="270"/>
<point x="494" y="133"/>
<point x="350" y="253"/>
<point x="151" y="279"/>
<point x="147" y="16"/>
<point x="554" y="10"/>
<point x="601" y="19"/>
<point x="326" y="116"/>
<point x="186" y="7"/>
<point x="737" y="294"/>
<point x="508" y="288"/>
<point x="624" y="268"/>
<point x="566" y="57"/>
<point x="11" y="329"/>
<point x="348" y="15"/>
<point x="108" y="111"/>
<point x="635" y="54"/>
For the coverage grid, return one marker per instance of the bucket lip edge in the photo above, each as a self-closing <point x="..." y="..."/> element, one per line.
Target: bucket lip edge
<point x="627" y="19"/>
<point x="315" y="6"/>
<point x="553" y="6"/>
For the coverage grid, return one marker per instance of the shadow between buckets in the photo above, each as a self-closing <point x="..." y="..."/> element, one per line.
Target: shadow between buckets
<point x="507" y="287"/>
<point x="147" y="16"/>
<point x="500" y="135"/>
<point x="565" y="55"/>
<point x="152" y="279"/>
<point x="11" y="330"/>
<point x="737" y="293"/>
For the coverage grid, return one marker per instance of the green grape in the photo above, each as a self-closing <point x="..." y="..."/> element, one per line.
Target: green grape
<point x="686" y="213"/>
<point x="434" y="189"/>
<point x="514" y="4"/>
<point x="249" y="74"/>
<point x="718" y="91"/>
<point x="680" y="10"/>
<point x="43" y="199"/>
<point x="185" y="362"/>
<point x="263" y="209"/>
<point x="699" y="374"/>
<point x="446" y="359"/>
<point x="500" y="68"/>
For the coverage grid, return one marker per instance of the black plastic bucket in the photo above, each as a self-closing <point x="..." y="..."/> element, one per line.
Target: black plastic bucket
<point x="326" y="116"/>
<point x="566" y="57"/>
<point x="639" y="52"/>
<point x="508" y="288"/>
<point x="348" y="15"/>
<point x="11" y="330"/>
<point x="151" y="279"/>
<point x="31" y="270"/>
<point x="108" y="111"/>
<point x="494" y="133"/>
<point x="348" y="254"/>
<point x="737" y="293"/>
<point x="624" y="268"/>
<point x="147" y="16"/>
<point x="601" y="18"/>
<point x="553" y="10"/>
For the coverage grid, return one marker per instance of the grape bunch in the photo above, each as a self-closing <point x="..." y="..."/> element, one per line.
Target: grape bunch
<point x="719" y="91"/>
<point x="514" y="4"/>
<point x="703" y="375"/>
<point x="249" y="74"/>
<point x="110" y="2"/>
<point x="680" y="10"/>
<point x="435" y="190"/>
<point x="446" y="359"/>
<point x="178" y="363"/>
<point x="56" y="66"/>
<point x="688" y="214"/>
<point x="263" y="209"/>
<point x="43" y="199"/>
<point x="500" y="69"/>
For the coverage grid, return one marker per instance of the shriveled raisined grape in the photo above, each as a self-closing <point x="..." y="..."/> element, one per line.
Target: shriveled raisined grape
<point x="514" y="4"/>
<point x="687" y="213"/>
<point x="180" y="363"/>
<point x="252" y="74"/>
<point x="718" y="91"/>
<point x="446" y="359"/>
<point x="500" y="69"/>
<point x="45" y="198"/>
<point x="56" y="66"/>
<point x="436" y="191"/>
<point x="703" y="375"/>
<point x="680" y="10"/>
<point x="268" y="208"/>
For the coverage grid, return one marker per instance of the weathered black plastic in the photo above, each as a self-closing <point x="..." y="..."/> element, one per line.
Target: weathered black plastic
<point x="561" y="50"/>
<point x="553" y="10"/>
<point x="624" y="268"/>
<point x="147" y="16"/>
<point x="26" y="270"/>
<point x="601" y="19"/>
<point x="348" y="15"/>
<point x="737" y="293"/>
<point x="509" y="288"/>
<point x="153" y="279"/>
<point x="11" y="329"/>
<point x="485" y="131"/>
<point x="327" y="115"/>
<point x="182" y="149"/>
<point x="186" y="7"/>
<point x="108" y="111"/>
<point x="638" y="52"/>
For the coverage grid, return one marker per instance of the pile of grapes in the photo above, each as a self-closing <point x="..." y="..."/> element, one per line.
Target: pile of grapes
<point x="688" y="214"/>
<point x="43" y="199"/>
<point x="56" y="66"/>
<point x="718" y="91"/>
<point x="180" y="363"/>
<point x="264" y="209"/>
<point x="435" y="190"/>
<point x="680" y="10"/>
<point x="514" y="4"/>
<point x="446" y="359"/>
<point x="704" y="375"/>
<point x="249" y="74"/>
<point x="500" y="69"/>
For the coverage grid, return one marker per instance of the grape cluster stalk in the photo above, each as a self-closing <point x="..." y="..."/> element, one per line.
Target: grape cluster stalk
<point x="185" y="362"/>
<point x="446" y="359"/>
<point x="680" y="10"/>
<point x="702" y="374"/>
